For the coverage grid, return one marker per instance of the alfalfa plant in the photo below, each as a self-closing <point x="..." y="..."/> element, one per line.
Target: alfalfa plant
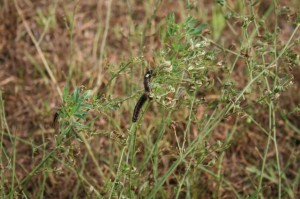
<point x="185" y="67"/>
<point x="76" y="116"/>
<point x="188" y="69"/>
<point x="70" y="118"/>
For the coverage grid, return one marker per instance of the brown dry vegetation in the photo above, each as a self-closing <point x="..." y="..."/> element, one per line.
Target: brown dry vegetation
<point x="71" y="41"/>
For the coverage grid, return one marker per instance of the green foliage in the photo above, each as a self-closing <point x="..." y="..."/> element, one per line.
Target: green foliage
<point x="200" y="91"/>
<point x="183" y="61"/>
<point x="186" y="64"/>
<point x="73" y="112"/>
<point x="218" y="22"/>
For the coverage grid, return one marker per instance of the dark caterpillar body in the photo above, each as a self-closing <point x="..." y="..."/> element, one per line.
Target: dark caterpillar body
<point x="147" y="78"/>
<point x="139" y="106"/>
<point x="55" y="120"/>
<point x="144" y="97"/>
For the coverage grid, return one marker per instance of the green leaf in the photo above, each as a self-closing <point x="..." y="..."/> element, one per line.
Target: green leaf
<point x="86" y="95"/>
<point x="80" y="114"/>
<point x="197" y="30"/>
<point x="75" y="108"/>
<point x="65" y="93"/>
<point x="171" y="26"/>
<point x="77" y="124"/>
<point x="87" y="106"/>
<point x="67" y="130"/>
<point x="191" y="22"/>
<point x="253" y="195"/>
<point x="218" y="22"/>
<point x="75" y="96"/>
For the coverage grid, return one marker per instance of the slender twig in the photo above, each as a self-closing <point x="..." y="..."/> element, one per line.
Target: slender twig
<point x="40" y="52"/>
<point x="103" y="43"/>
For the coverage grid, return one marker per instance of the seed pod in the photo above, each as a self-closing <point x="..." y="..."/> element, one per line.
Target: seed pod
<point x="147" y="78"/>
<point x="139" y="106"/>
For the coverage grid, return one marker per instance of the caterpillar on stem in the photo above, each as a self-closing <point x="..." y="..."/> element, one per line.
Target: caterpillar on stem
<point x="138" y="106"/>
<point x="147" y="78"/>
<point x="144" y="97"/>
